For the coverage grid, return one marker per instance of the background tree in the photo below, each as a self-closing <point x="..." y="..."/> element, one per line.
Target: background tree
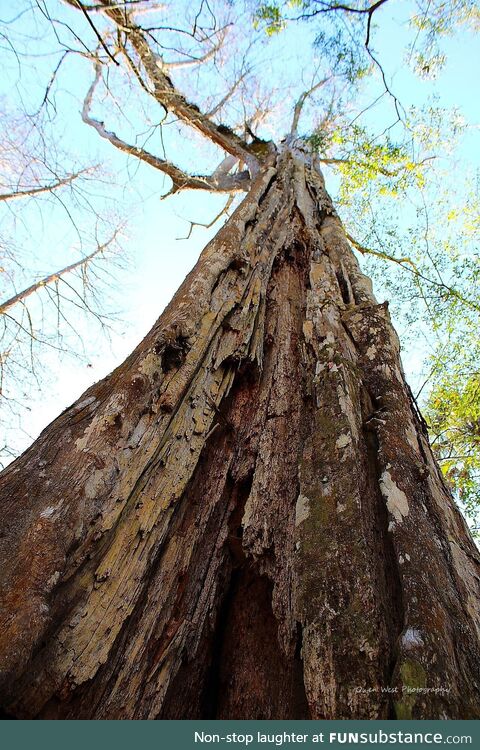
<point x="245" y="519"/>
<point x="46" y="291"/>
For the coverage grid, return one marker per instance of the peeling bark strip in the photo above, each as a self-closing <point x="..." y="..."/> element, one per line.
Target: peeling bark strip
<point x="244" y="520"/>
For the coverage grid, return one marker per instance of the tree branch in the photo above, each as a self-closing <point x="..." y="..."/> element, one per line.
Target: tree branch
<point x="330" y="7"/>
<point x="381" y="170"/>
<point x="84" y="10"/>
<point x="369" y="12"/>
<point x="219" y="181"/>
<point x="227" y="96"/>
<point x="210" y="223"/>
<point x="43" y="188"/>
<point x="166" y="94"/>
<point x="4" y="306"/>
<point x="299" y="105"/>
<point x="411" y="267"/>
<point x="175" y="64"/>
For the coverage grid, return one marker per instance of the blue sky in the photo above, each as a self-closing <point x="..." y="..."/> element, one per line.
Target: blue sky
<point x="156" y="261"/>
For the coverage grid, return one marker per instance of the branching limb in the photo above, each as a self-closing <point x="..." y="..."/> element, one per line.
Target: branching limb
<point x="227" y="96"/>
<point x="326" y="7"/>
<point x="84" y="10"/>
<point x="25" y="193"/>
<point x="53" y="277"/>
<point x="224" y="167"/>
<point x="176" y="64"/>
<point x="376" y="167"/>
<point x="218" y="182"/>
<point x="300" y="103"/>
<point x="411" y="267"/>
<point x="168" y="96"/>
<point x="210" y="224"/>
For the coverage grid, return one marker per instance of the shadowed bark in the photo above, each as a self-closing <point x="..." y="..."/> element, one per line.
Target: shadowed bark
<point x="244" y="520"/>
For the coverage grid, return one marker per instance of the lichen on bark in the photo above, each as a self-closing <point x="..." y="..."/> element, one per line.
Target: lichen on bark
<point x="244" y="520"/>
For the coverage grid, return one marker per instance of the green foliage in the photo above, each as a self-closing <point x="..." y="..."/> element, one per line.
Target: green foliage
<point x="360" y="158"/>
<point x="435" y="20"/>
<point x="453" y="413"/>
<point x="270" y="15"/>
<point x="346" y="59"/>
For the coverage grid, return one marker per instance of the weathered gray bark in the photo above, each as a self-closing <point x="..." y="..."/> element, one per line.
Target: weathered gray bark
<point x="245" y="519"/>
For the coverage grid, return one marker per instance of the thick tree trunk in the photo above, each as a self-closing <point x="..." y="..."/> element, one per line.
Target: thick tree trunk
<point x="245" y="519"/>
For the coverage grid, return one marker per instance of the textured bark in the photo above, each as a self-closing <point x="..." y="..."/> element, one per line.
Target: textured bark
<point x="245" y="519"/>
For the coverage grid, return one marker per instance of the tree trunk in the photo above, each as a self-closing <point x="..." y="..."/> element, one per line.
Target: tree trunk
<point x="244" y="520"/>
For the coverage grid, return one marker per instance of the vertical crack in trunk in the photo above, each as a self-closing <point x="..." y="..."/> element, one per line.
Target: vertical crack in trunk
<point x="389" y="579"/>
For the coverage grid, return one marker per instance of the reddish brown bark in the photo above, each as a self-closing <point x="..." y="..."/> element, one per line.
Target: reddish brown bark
<point x="245" y="519"/>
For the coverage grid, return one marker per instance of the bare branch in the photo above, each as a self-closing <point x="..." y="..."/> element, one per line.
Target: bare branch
<point x="95" y="30"/>
<point x="44" y="188"/>
<point x="227" y="96"/>
<point x="100" y="7"/>
<point x="299" y="105"/>
<point x="331" y="7"/>
<point x="411" y="267"/>
<point x="210" y="224"/>
<point x="170" y="98"/>
<point x="176" y="64"/>
<point x="218" y="182"/>
<point x="224" y="167"/>
<point x="52" y="277"/>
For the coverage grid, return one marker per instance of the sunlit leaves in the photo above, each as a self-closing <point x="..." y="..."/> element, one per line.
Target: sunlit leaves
<point x="270" y="15"/>
<point x="361" y="158"/>
<point x="344" y="55"/>
<point x="435" y="20"/>
<point x="453" y="412"/>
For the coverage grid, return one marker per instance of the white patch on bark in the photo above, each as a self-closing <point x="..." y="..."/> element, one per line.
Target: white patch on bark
<point x="99" y="423"/>
<point x="347" y="408"/>
<point x="371" y="352"/>
<point x="81" y="443"/>
<point x="302" y="509"/>
<point x="412" y="638"/>
<point x="149" y="364"/>
<point x="397" y="502"/>
<point x="343" y="441"/>
<point x="53" y="579"/>
<point x="411" y="434"/>
<point x="308" y="330"/>
<point x="84" y="403"/>
<point x="48" y="512"/>
<point x="139" y="431"/>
